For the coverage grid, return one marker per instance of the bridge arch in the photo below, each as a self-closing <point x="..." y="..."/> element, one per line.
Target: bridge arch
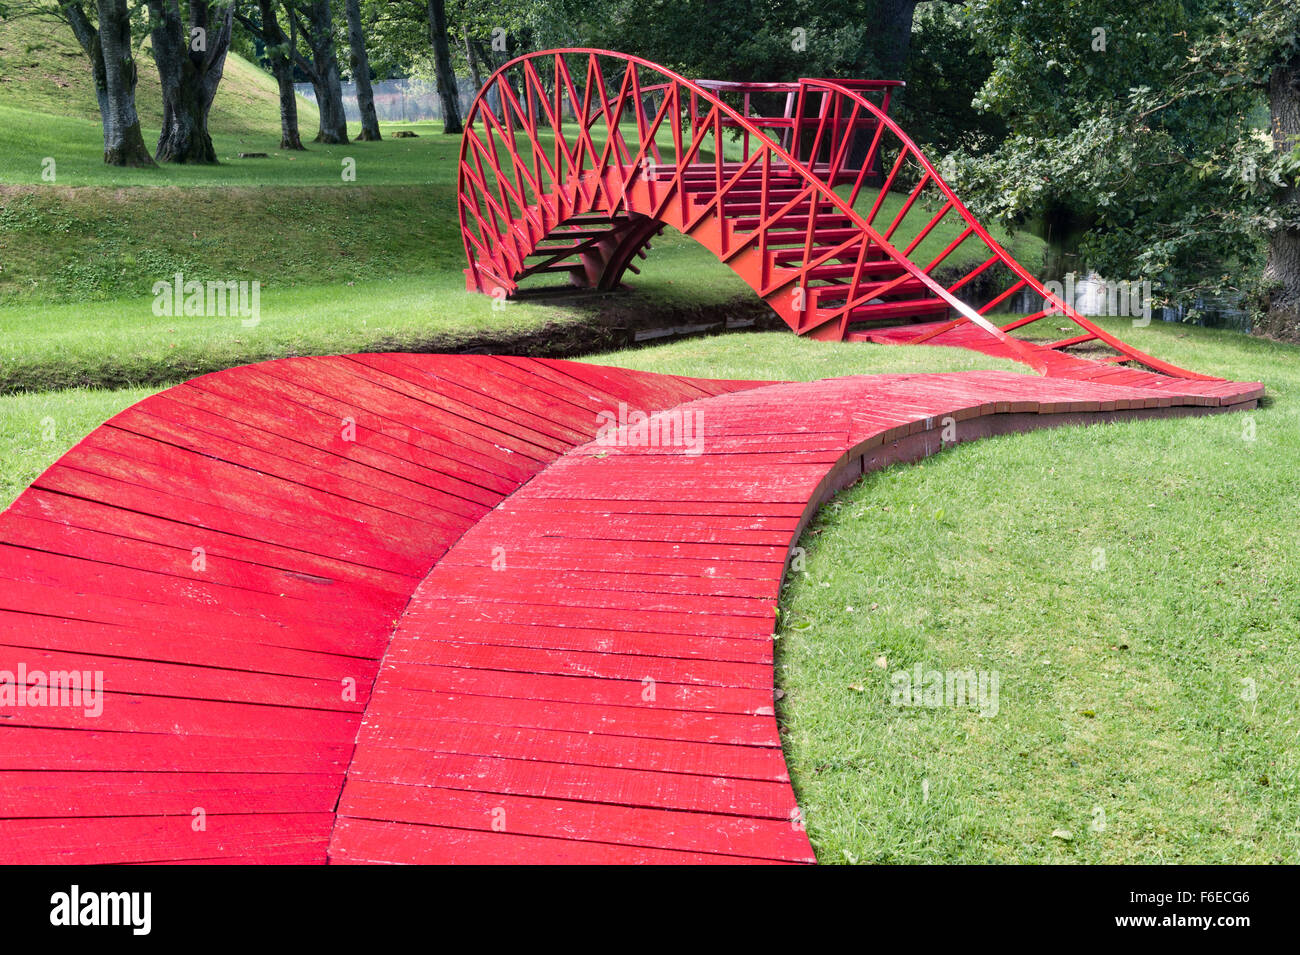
<point x="574" y="159"/>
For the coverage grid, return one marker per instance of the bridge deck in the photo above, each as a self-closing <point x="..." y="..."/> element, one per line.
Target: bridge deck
<point x="581" y="668"/>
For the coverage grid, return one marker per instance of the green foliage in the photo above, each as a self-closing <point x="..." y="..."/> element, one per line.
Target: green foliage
<point x="944" y="73"/>
<point x="1143" y="121"/>
<point x="735" y="39"/>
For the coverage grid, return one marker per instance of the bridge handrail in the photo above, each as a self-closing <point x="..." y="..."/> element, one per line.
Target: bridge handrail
<point x="812" y="182"/>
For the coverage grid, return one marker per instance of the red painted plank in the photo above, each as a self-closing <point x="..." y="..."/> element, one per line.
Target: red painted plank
<point x="589" y="652"/>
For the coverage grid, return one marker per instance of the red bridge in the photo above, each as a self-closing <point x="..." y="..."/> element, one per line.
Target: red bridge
<point x="574" y="160"/>
<point x="404" y="608"/>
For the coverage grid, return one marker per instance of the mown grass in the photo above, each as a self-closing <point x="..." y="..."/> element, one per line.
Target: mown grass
<point x="121" y="342"/>
<point x="780" y="356"/>
<point x="1131" y="584"/>
<point x="66" y="245"/>
<point x="76" y="146"/>
<point x="37" y="429"/>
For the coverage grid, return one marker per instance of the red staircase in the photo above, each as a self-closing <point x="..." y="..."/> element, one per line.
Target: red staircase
<point x="574" y="160"/>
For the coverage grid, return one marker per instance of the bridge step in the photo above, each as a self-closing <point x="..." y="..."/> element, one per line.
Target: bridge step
<point x="907" y="308"/>
<point x="827" y="296"/>
<point x="826" y="238"/>
<point x="846" y="270"/>
<point x="791" y="220"/>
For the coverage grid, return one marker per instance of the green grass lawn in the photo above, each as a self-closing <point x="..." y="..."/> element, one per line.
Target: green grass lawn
<point x="36" y="429"/>
<point x="76" y="145"/>
<point x="121" y="342"/>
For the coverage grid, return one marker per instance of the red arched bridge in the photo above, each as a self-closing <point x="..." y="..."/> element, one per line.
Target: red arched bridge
<point x="573" y="160"/>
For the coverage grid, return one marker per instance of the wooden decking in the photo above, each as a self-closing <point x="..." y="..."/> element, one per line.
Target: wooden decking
<point x="1058" y="363"/>
<point x="391" y="608"/>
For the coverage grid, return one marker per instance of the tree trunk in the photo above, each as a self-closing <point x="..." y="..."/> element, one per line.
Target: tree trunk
<point x="447" y="90"/>
<point x="485" y="56"/>
<point x="893" y="24"/>
<point x="894" y="27"/>
<point x="1282" y="272"/>
<point x="281" y="67"/>
<point x="88" y="38"/>
<point x="190" y="64"/>
<point x="108" y="47"/>
<point x="360" y="63"/>
<point x="324" y="76"/>
<point x="472" y="60"/>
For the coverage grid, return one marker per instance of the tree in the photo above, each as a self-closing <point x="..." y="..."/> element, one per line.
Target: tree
<point x="312" y="22"/>
<point x="944" y="72"/>
<point x="740" y="39"/>
<point x="277" y="47"/>
<point x="191" y="58"/>
<point x="448" y="92"/>
<point x="1279" y="54"/>
<point x="360" y="64"/>
<point x="1123" y="122"/>
<point x="1144" y="123"/>
<point x="107" y="45"/>
<point x="471" y="59"/>
<point x="323" y="71"/>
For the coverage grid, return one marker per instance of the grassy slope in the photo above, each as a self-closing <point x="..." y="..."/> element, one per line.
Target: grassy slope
<point x="1121" y="688"/>
<point x="121" y="342"/>
<point x="60" y="247"/>
<point x="42" y="70"/>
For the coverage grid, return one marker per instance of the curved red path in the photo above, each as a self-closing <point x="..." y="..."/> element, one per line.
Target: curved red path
<point x="583" y="672"/>
<point x="225" y="680"/>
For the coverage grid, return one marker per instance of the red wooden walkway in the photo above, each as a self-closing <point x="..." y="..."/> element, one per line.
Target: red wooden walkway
<point x="391" y="608"/>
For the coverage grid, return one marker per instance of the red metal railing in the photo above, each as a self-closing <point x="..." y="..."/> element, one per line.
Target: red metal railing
<point x="573" y="160"/>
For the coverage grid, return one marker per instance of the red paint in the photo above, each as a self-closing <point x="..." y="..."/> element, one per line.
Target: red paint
<point x="573" y="160"/>
<point x="554" y="650"/>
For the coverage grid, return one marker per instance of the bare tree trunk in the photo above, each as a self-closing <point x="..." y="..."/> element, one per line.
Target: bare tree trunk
<point x="1282" y="272"/>
<point x="894" y="24"/>
<point x="447" y="90"/>
<point x="108" y="47"/>
<point x="324" y="75"/>
<point x="191" y="60"/>
<point x="359" y="61"/>
<point x="322" y="69"/>
<point x="485" y="56"/>
<point x="282" y="68"/>
<point x="472" y="60"/>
